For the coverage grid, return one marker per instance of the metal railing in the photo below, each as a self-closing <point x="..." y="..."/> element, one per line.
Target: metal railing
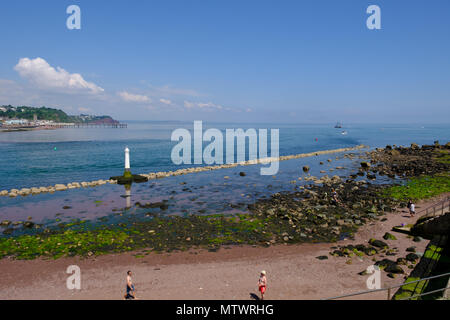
<point x="436" y="207"/>
<point x="389" y="289"/>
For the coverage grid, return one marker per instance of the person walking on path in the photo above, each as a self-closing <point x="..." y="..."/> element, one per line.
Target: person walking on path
<point x="412" y="208"/>
<point x="262" y="284"/>
<point x="130" y="295"/>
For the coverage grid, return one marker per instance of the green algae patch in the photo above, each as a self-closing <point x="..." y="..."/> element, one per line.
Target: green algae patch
<point x="159" y="234"/>
<point x="443" y="156"/>
<point x="67" y="243"/>
<point x="411" y="289"/>
<point x="420" y="188"/>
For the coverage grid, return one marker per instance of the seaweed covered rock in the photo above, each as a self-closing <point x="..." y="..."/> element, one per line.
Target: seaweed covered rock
<point x="5" y="223"/>
<point x="365" y="164"/>
<point x="410" y="161"/>
<point x="124" y="180"/>
<point x="378" y="243"/>
<point x="412" y="257"/>
<point x="389" y="236"/>
<point x="359" y="250"/>
<point x="389" y="266"/>
<point x="28" y="224"/>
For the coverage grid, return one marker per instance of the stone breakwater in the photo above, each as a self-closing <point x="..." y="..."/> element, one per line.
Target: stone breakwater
<point x="51" y="189"/>
<point x="158" y="175"/>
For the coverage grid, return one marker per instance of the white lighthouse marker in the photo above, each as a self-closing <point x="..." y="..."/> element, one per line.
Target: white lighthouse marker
<point x="127" y="162"/>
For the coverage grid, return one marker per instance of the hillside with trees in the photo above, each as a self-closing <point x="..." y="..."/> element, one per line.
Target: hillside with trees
<point x="56" y="115"/>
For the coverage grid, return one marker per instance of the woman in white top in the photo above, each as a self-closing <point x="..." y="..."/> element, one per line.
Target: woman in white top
<point x="412" y="209"/>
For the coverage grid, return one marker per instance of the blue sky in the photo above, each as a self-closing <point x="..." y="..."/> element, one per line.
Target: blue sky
<point x="284" y="61"/>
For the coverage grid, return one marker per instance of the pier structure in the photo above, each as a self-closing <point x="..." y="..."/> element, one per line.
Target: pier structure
<point x="88" y="125"/>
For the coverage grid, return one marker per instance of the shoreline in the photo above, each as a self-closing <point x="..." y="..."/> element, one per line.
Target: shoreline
<point x="294" y="272"/>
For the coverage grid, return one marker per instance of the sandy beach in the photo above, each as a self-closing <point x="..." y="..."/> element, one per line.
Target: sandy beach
<point x="293" y="271"/>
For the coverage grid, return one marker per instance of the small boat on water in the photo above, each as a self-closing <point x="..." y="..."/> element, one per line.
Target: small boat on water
<point x="344" y="133"/>
<point x="338" y="125"/>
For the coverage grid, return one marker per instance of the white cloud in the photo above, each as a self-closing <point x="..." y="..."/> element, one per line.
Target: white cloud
<point x="129" y="97"/>
<point x="209" y="105"/>
<point x="43" y="75"/>
<point x="202" y="105"/>
<point x="165" y="101"/>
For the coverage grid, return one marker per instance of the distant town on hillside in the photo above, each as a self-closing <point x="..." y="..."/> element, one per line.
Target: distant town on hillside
<point x="24" y="114"/>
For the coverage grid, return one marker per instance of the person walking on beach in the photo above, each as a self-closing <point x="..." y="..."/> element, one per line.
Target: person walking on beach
<point x="130" y="295"/>
<point x="262" y="284"/>
<point x="412" y="208"/>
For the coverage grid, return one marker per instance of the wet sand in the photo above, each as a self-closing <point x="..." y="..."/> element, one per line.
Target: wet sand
<point x="293" y="271"/>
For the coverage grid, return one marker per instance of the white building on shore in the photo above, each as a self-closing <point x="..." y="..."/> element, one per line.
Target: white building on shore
<point x="15" y="122"/>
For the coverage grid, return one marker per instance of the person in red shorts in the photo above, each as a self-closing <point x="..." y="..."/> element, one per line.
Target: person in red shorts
<point x="262" y="284"/>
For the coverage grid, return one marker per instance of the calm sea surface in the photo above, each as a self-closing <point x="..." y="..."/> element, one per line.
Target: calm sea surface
<point x="30" y="159"/>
